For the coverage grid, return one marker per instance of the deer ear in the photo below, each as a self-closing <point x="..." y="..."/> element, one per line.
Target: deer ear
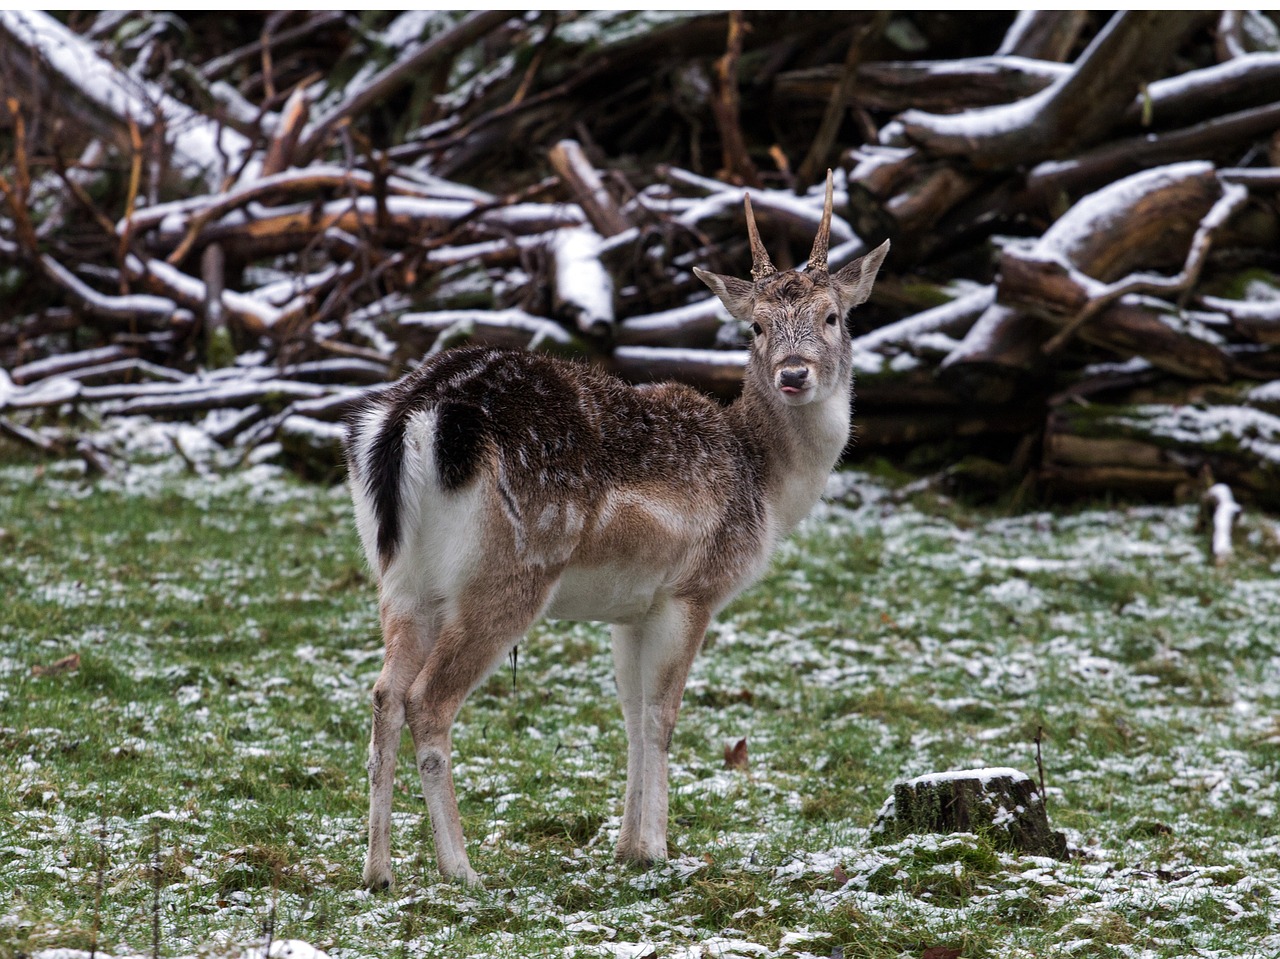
<point x="736" y="295"/>
<point x="853" y="283"/>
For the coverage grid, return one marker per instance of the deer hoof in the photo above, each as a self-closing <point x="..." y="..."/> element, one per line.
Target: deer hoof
<point x="377" y="878"/>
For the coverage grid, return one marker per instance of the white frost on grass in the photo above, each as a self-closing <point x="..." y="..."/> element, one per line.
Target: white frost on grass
<point x="815" y="669"/>
<point x="279" y="949"/>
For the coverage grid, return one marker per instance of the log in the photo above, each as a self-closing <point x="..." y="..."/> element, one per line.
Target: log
<point x="1074" y="111"/>
<point x="693" y="325"/>
<point x="67" y="362"/>
<point x="45" y="58"/>
<point x="1161" y="448"/>
<point x="718" y="372"/>
<point x="1258" y="321"/>
<point x="587" y="188"/>
<point x="1043" y="34"/>
<point x="1222" y="135"/>
<point x="999" y="804"/>
<point x="1080" y="274"/>
<point x="935" y="86"/>
<point x="583" y="287"/>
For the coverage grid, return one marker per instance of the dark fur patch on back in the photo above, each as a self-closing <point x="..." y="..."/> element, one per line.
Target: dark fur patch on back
<point x="462" y="431"/>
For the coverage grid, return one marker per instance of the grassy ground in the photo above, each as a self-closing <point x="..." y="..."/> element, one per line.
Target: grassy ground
<point x="200" y="774"/>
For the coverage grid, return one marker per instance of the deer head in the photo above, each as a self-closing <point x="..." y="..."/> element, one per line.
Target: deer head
<point x="799" y="352"/>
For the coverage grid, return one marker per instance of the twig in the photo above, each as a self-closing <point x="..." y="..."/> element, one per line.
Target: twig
<point x="131" y="200"/>
<point x="1044" y="798"/>
<point x="100" y="882"/>
<point x="823" y="141"/>
<point x="727" y="107"/>
<point x="18" y="191"/>
<point x="155" y="889"/>
<point x="1101" y="296"/>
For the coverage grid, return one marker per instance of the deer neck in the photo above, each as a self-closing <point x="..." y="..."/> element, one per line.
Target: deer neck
<point x="798" y="445"/>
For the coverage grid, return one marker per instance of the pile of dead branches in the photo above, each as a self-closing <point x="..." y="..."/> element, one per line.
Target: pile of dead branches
<point x="243" y="221"/>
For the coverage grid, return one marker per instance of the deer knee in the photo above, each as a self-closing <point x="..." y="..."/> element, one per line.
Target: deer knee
<point x="432" y="762"/>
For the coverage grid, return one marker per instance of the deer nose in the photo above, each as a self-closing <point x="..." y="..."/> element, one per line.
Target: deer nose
<point x="793" y="377"/>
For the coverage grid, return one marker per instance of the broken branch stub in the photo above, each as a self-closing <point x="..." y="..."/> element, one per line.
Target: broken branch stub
<point x="1003" y="805"/>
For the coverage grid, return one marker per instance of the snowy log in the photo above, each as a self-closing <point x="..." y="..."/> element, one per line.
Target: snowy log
<point x="1043" y="34"/>
<point x="513" y="328"/>
<point x="1154" y="448"/>
<point x="1083" y="276"/>
<point x="1003" y="805"/>
<point x="693" y="325"/>
<point x="95" y="95"/>
<point x="587" y="188"/>
<point x="1075" y="110"/>
<point x="583" y="287"/>
<point x="718" y="372"/>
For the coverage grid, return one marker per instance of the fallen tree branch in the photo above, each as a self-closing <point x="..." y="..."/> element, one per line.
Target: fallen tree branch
<point x="1075" y="110"/>
<point x="443" y="47"/>
<point x="94" y="94"/>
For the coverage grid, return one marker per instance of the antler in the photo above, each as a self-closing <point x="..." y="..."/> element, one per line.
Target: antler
<point x="818" y="258"/>
<point x="761" y="265"/>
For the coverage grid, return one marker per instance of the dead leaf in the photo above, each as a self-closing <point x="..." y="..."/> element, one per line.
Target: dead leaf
<point x="66" y="664"/>
<point x="735" y="755"/>
<point x="941" y="952"/>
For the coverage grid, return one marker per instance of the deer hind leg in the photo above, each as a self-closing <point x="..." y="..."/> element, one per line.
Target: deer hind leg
<point x="407" y="639"/>
<point x="489" y="619"/>
<point x="652" y="659"/>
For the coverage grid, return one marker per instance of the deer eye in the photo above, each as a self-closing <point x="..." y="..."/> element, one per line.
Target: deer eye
<point x="831" y="319"/>
<point x="755" y="328"/>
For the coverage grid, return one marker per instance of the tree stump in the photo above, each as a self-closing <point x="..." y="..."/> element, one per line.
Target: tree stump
<point x="1002" y="805"/>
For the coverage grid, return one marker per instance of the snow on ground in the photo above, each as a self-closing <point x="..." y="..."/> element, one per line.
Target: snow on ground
<point x="1160" y="703"/>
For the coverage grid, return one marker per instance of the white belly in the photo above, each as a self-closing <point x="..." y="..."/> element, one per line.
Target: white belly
<point x="608" y="594"/>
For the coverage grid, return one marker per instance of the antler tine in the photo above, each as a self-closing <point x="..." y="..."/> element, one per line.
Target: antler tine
<point x="761" y="265"/>
<point x="818" y="258"/>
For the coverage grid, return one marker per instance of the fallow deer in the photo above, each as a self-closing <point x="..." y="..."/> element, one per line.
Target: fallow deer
<point x="492" y="488"/>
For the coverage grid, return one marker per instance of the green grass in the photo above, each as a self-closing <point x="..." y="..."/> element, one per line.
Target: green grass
<point x="207" y="754"/>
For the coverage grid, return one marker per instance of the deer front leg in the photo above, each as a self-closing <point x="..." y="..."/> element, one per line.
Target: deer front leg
<point x="664" y="647"/>
<point x="405" y="641"/>
<point x="627" y="672"/>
